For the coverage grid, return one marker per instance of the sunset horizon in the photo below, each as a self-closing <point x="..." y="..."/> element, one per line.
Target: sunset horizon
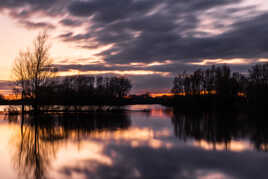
<point x="133" y="89"/>
<point x="150" y="42"/>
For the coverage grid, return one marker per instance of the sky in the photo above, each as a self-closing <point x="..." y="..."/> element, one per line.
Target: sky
<point x="148" y="41"/>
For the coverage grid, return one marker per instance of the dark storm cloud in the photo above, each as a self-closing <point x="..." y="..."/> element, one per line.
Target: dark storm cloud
<point x="173" y="68"/>
<point x="152" y="30"/>
<point x="26" y="8"/>
<point x="71" y="22"/>
<point x="37" y="25"/>
<point x="108" y="11"/>
<point x="20" y="3"/>
<point x="66" y="35"/>
<point x="246" y="40"/>
<point x="161" y="34"/>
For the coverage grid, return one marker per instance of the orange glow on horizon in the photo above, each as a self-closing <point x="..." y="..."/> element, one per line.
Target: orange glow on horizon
<point x="12" y="97"/>
<point x="155" y="95"/>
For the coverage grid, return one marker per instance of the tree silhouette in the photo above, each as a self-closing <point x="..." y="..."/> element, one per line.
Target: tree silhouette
<point x="33" y="70"/>
<point x="219" y="80"/>
<point x="258" y="86"/>
<point x="33" y="155"/>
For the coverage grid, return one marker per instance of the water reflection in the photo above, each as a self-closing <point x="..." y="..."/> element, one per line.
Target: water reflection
<point x="32" y="155"/>
<point x="130" y="145"/>
<point x="40" y="137"/>
<point x="222" y="131"/>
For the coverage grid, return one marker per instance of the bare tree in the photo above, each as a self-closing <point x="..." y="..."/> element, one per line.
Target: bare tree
<point x="33" y="69"/>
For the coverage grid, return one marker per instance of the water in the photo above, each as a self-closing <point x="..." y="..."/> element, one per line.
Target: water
<point x="153" y="144"/>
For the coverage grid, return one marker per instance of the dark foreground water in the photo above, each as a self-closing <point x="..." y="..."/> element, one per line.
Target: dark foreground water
<point x="150" y="145"/>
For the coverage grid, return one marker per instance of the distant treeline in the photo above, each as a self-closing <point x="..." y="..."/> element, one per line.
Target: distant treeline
<point x="85" y="90"/>
<point x="217" y="88"/>
<point x="80" y="90"/>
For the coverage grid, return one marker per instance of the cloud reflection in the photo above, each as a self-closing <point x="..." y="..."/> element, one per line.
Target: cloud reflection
<point x="142" y="145"/>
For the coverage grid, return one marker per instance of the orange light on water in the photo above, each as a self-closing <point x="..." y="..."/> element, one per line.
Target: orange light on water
<point x="236" y="146"/>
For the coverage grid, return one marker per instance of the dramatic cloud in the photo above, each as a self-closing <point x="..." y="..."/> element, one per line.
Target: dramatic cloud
<point x="145" y="31"/>
<point x="185" y="33"/>
<point x="70" y="22"/>
<point x="172" y="68"/>
<point x="27" y="8"/>
<point x="36" y="25"/>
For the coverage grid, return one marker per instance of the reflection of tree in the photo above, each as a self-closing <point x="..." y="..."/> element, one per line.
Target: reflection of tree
<point x="40" y="137"/>
<point x="222" y="128"/>
<point x="33" y="155"/>
<point x="259" y="132"/>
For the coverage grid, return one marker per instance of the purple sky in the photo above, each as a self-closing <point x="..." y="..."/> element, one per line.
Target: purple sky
<point x="150" y="41"/>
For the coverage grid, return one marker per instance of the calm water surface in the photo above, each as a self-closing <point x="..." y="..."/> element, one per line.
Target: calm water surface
<point x="151" y="144"/>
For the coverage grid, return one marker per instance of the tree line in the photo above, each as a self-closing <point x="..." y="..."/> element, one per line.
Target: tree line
<point x="84" y="90"/>
<point x="218" y="84"/>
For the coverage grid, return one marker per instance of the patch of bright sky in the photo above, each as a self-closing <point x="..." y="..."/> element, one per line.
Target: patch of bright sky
<point x="143" y="65"/>
<point x="59" y="48"/>
<point x="263" y="60"/>
<point x="223" y="61"/>
<point x="14" y="37"/>
<point x="228" y="61"/>
<point x="262" y="5"/>
<point x="115" y="72"/>
<point x="216" y="21"/>
<point x="157" y="9"/>
<point x="12" y="40"/>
